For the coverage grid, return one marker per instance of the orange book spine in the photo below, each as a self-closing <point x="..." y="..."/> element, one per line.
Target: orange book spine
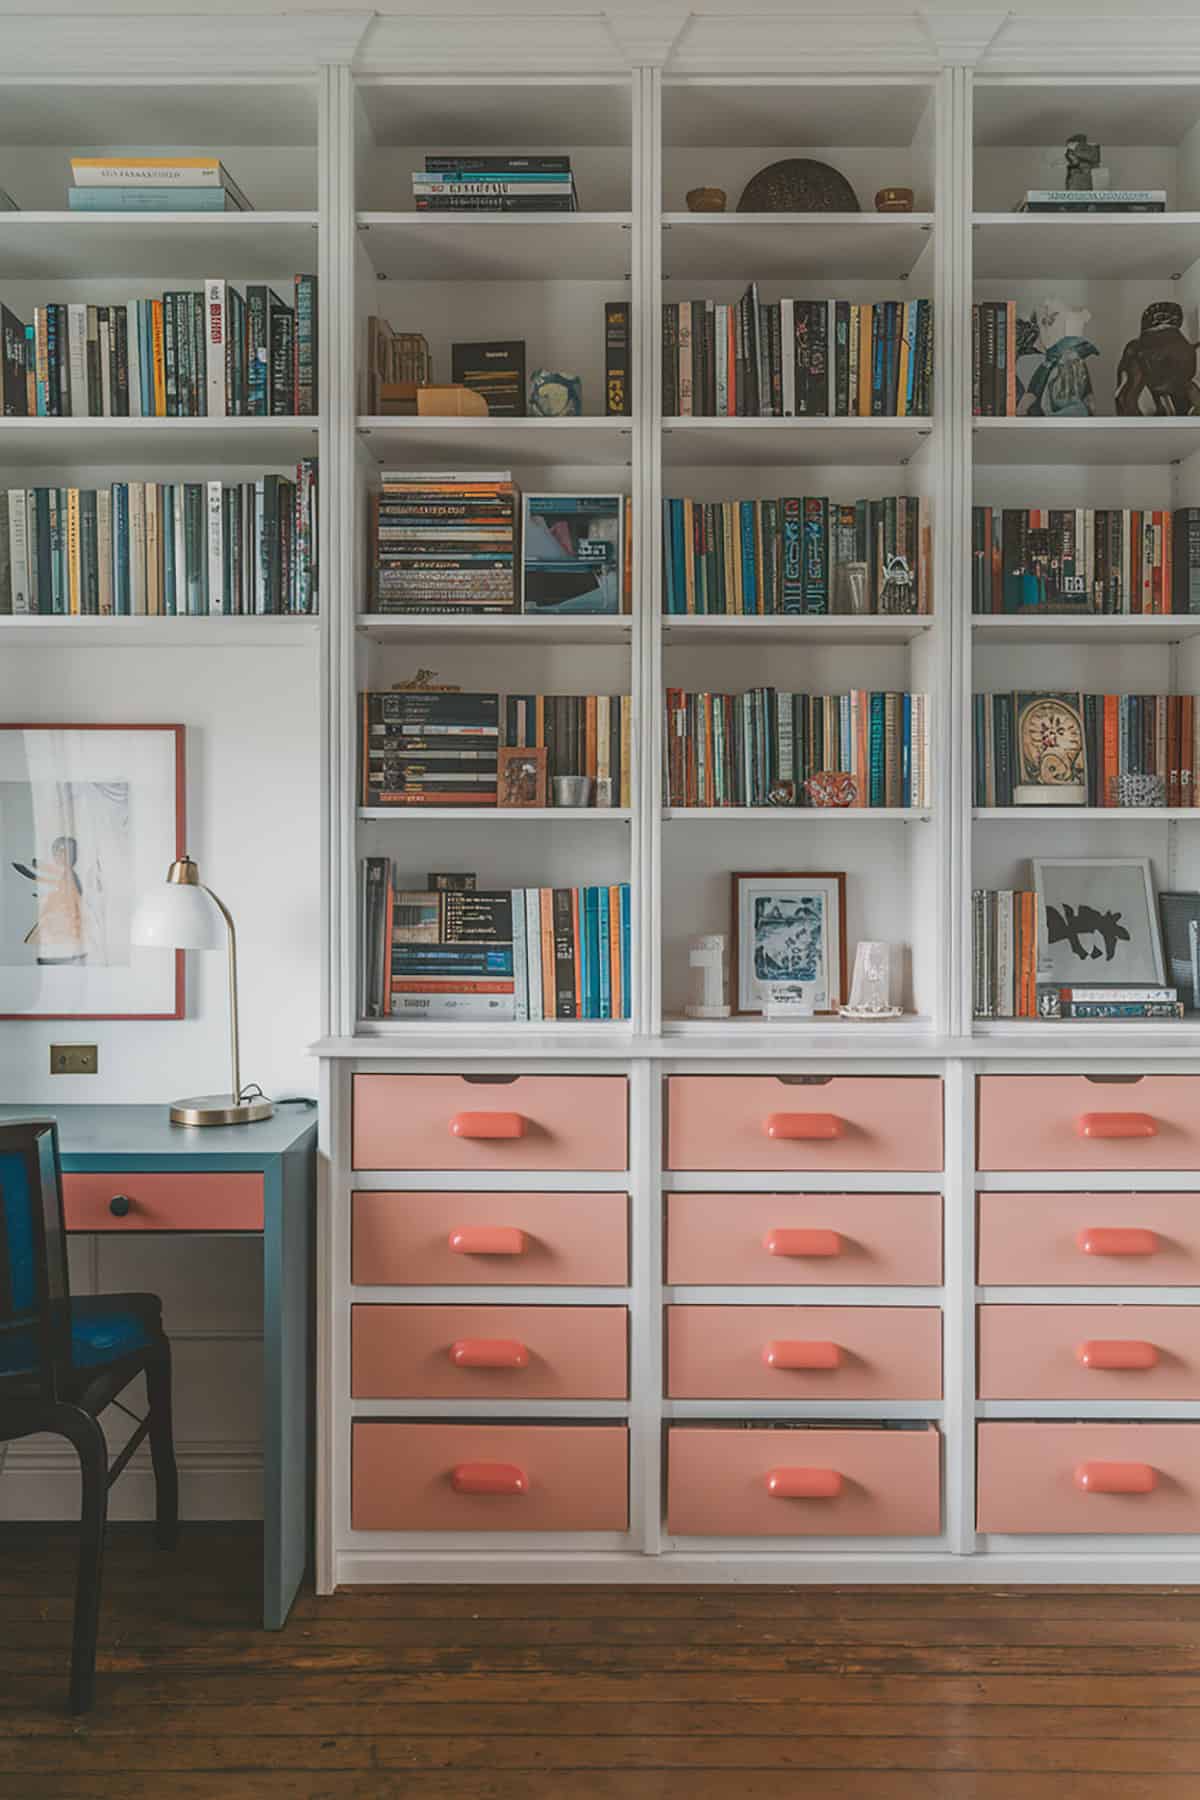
<point x="576" y="954"/>
<point x="546" y="908"/>
<point x="865" y="315"/>
<point x="499" y="985"/>
<point x="160" y="366"/>
<point x="539" y="703"/>
<point x="1010" y="359"/>
<point x="589" y="736"/>
<point x="1109" y="769"/>
<point x="614" y="950"/>
<point x="862" y="705"/>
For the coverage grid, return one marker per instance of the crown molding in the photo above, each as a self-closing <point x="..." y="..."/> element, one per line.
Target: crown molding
<point x="962" y="38"/>
<point x="645" y="36"/>
<point x="1131" y="43"/>
<point x="745" y="40"/>
<point x="488" y="41"/>
<point x="66" y="45"/>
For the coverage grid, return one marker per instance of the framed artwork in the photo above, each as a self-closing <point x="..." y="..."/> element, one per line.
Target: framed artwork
<point x="1180" y="915"/>
<point x="522" y="777"/>
<point x="1097" y="921"/>
<point x="90" y="817"/>
<point x="788" y="931"/>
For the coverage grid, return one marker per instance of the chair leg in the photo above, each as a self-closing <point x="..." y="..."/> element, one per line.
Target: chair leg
<point x="85" y="1434"/>
<point x="162" y="1450"/>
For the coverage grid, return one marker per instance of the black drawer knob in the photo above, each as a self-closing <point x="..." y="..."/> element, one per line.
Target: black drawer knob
<point x="119" y="1205"/>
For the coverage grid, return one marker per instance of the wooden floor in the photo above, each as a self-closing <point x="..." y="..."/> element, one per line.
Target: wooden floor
<point x="638" y="1694"/>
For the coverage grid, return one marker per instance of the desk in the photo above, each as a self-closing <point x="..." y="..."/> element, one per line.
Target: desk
<point x="274" y="1159"/>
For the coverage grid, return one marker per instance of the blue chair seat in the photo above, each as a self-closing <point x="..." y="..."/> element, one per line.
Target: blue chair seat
<point x="104" y="1328"/>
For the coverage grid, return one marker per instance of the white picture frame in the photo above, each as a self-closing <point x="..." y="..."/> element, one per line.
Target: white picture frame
<point x="788" y="930"/>
<point x="1097" y="921"/>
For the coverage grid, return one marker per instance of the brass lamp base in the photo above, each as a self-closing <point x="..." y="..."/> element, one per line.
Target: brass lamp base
<point x="220" y="1109"/>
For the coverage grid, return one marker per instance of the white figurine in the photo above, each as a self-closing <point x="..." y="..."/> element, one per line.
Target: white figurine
<point x="708" y="955"/>
<point x="870" y="989"/>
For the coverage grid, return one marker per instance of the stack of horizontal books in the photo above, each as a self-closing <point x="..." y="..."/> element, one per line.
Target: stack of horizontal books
<point x="428" y="748"/>
<point x="445" y="543"/>
<point x="483" y="181"/>
<point x="154" y="184"/>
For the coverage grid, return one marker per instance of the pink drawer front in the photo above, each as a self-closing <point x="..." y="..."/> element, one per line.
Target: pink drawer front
<point x="490" y="1240"/>
<point x="169" y="1202"/>
<point x="1087" y="1122"/>
<point x="790" y="1240"/>
<point x="804" y="1352"/>
<point x="1093" y="1478"/>
<point x="455" y="1122"/>
<point x="739" y="1482"/>
<point x="488" y="1352"/>
<point x="1089" y="1353"/>
<point x="836" y="1124"/>
<point x="467" y="1477"/>
<point x="1089" y="1240"/>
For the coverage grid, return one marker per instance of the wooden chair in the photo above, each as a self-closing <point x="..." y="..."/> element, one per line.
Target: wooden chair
<point x="63" y="1361"/>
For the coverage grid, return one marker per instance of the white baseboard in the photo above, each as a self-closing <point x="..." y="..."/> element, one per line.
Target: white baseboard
<point x="40" y="1481"/>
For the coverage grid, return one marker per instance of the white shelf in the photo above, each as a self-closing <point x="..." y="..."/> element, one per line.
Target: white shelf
<point x="1086" y="441"/>
<point x="494" y="443"/>
<point x="796" y="628"/>
<point x="1085" y="628"/>
<point x="561" y="815"/>
<point x="516" y="628"/>
<point x="464" y="246"/>
<point x="273" y="631"/>
<point x="1088" y="814"/>
<point x="821" y="814"/>
<point x="1085" y="247"/>
<point x="53" y="246"/>
<point x="785" y="1039"/>
<point x="769" y="443"/>
<point x="209" y="443"/>
<point x="781" y="246"/>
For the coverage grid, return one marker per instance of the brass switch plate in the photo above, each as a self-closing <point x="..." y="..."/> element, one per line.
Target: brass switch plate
<point x="73" y="1059"/>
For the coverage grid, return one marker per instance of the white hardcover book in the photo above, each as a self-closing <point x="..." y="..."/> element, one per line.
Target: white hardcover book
<point x="77" y="325"/>
<point x="218" y="601"/>
<point x="31" y="540"/>
<point x="257" y="549"/>
<point x="497" y="1009"/>
<point x="533" y="951"/>
<point x="1004" y="954"/>
<point x="178" y="527"/>
<point x="215" y="317"/>
<point x="787" y="355"/>
<point x="154" y="568"/>
<point x="5" y="563"/>
<point x="604" y="791"/>
<point x="18" y="549"/>
<point x="104" y="549"/>
<point x="137" y="547"/>
<point x="520" y="956"/>
<point x="156" y="171"/>
<point x="787" y="749"/>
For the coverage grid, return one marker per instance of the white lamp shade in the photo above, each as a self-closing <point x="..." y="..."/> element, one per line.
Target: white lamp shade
<point x="175" y="917"/>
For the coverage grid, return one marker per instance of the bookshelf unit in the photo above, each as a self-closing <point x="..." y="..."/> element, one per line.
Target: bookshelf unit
<point x="964" y="115"/>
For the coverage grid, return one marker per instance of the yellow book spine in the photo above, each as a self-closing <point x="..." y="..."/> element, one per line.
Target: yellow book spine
<point x="160" y="367"/>
<point x="73" y="550"/>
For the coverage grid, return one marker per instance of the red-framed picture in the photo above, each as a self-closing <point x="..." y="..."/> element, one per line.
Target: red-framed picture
<point x="90" y="817"/>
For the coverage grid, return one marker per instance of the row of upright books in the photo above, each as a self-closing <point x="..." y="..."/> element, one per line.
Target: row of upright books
<point x="190" y="548"/>
<point x="766" y="747"/>
<point x="797" y="358"/>
<point x="1008" y="924"/>
<point x="486" y="181"/>
<point x="210" y="353"/>
<point x="507" y="955"/>
<point x="1085" y="560"/>
<point x="802" y="554"/>
<point x="1097" y="750"/>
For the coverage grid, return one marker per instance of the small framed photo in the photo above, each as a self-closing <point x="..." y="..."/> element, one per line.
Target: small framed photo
<point x="1180" y="914"/>
<point x="522" y="777"/>
<point x="788" y="932"/>
<point x="1097" y="921"/>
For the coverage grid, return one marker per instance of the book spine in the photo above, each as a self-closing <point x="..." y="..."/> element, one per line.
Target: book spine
<point x="616" y="358"/>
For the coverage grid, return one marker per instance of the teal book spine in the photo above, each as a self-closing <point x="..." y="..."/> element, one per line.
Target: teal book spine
<point x="875" y="741"/>
<point x="626" y="956"/>
<point x="171" y="199"/>
<point x="605" y="948"/>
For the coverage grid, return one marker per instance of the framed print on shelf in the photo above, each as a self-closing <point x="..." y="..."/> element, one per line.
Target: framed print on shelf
<point x="1097" y="921"/>
<point x="90" y="817"/>
<point x="1180" y="915"/>
<point x="788" y="931"/>
<point x="522" y="776"/>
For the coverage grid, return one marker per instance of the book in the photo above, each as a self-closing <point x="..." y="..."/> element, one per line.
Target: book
<point x="1094" y="200"/>
<point x="495" y="370"/>
<point x="572" y="549"/>
<point x="617" y="359"/>
<point x="445" y="542"/>
<point x="151" y="199"/>
<point x="156" y="171"/>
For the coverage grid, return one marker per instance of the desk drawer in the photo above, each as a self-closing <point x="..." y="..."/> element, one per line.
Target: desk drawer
<point x="467" y="1477"/>
<point x="1094" y="1478"/>
<point x="1089" y="1353"/>
<point x="1086" y="1122"/>
<point x="489" y="1352"/>
<point x="164" y="1202"/>
<point x="491" y="1240"/>
<point x="1089" y="1240"/>
<point x="460" y="1123"/>
<point x="750" y="1482"/>
<point x="804" y="1352"/>
<point x="841" y="1123"/>
<point x="790" y="1240"/>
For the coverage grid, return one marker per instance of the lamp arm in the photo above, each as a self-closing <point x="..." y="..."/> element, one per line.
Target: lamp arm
<point x="233" y="991"/>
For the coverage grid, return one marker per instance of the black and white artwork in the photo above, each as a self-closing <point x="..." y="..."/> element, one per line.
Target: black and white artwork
<point x="1097" y="921"/>
<point x="1180" y="915"/>
<point x="788" y="934"/>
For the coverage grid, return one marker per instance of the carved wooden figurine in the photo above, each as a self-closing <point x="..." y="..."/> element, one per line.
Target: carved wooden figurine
<point x="1160" y="362"/>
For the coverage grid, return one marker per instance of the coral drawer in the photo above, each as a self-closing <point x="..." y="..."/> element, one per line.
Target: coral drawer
<point x="1086" y="1122"/>
<point x="835" y="1123"/>
<point x="168" y="1202"/>
<point x="736" y="1481"/>
<point x="1089" y="1353"/>
<point x="1101" y="1478"/>
<point x="1089" y="1240"/>
<point x="718" y="1240"/>
<point x="804" y="1352"/>
<point x="490" y="1240"/>
<point x="488" y="1352"/>
<point x="466" y="1477"/>
<point x="455" y="1122"/>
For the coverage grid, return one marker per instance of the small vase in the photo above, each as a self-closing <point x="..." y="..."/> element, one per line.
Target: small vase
<point x="706" y="199"/>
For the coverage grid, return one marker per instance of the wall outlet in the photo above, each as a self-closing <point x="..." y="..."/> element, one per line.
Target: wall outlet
<point x="73" y="1059"/>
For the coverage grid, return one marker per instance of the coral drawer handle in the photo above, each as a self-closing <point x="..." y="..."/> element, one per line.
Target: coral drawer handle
<point x="489" y="1478"/>
<point x="1116" y="1353"/>
<point x="1117" y="1240"/>
<point x="803" y="1125"/>
<point x="1116" y="1478"/>
<point x="489" y="1353"/>
<point x="794" y="1242"/>
<point x="804" y="1484"/>
<point x="487" y="1125"/>
<point x="487" y="1240"/>
<point x="1116" y="1125"/>
<point x="791" y="1353"/>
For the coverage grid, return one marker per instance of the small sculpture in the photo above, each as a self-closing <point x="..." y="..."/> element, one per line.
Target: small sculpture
<point x="894" y="200"/>
<point x="798" y="184"/>
<point x="1059" y="385"/>
<point x="1161" y="363"/>
<point x="899" y="591"/>
<point x="831" y="787"/>
<point x="781" y="793"/>
<point x="553" y="395"/>
<point x="871" y="988"/>
<point x="425" y="681"/>
<point x="1082" y="159"/>
<point x="706" y="199"/>
<point x="706" y="955"/>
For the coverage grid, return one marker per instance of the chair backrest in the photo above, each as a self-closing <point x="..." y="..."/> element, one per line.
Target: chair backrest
<point x="34" y="1290"/>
